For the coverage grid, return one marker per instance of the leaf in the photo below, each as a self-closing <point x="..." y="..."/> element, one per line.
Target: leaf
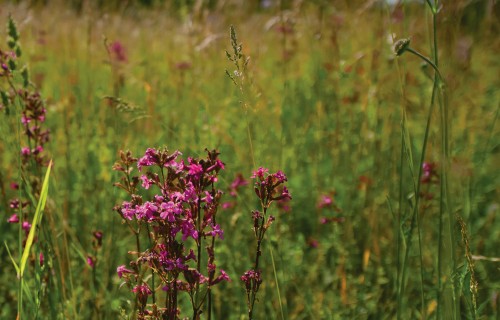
<point x="12" y="259"/>
<point x="36" y="220"/>
<point x="26" y="76"/>
<point x="12" y="29"/>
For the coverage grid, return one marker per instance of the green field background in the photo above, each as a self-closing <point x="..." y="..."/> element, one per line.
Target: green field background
<point x="323" y="100"/>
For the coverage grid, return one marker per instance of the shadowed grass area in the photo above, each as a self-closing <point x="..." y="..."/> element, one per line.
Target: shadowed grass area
<point x="324" y="99"/>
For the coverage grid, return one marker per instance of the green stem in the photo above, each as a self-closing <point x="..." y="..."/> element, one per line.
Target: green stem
<point x="421" y="56"/>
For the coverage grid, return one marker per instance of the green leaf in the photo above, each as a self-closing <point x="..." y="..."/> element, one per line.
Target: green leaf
<point x="36" y="220"/>
<point x="5" y="101"/>
<point x="12" y="29"/>
<point x="26" y="76"/>
<point x="18" y="50"/>
<point x="11" y="43"/>
<point x="12" y="65"/>
<point x="11" y="259"/>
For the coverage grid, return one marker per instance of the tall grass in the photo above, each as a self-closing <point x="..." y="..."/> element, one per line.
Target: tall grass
<point x="326" y="101"/>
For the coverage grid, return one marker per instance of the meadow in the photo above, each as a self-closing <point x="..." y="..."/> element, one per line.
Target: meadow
<point x="390" y="151"/>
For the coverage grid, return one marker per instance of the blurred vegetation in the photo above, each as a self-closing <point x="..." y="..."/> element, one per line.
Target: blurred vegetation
<point x="325" y="97"/>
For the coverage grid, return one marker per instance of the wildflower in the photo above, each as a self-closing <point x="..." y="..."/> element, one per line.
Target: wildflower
<point x="118" y="51"/>
<point x="228" y="205"/>
<point x="195" y="170"/>
<point x="37" y="150"/>
<point x="41" y="259"/>
<point x="313" y="243"/>
<point x="280" y="176"/>
<point x="13" y="219"/>
<point x="208" y="197"/>
<point x="217" y="231"/>
<point x="142" y="289"/>
<point x="285" y="194"/>
<point x="252" y="279"/>
<point x="169" y="210"/>
<point x="192" y="276"/>
<point x="221" y="277"/>
<point x="148" y="159"/>
<point x="284" y="205"/>
<point x="259" y="173"/>
<point x="326" y="201"/>
<point x="26" y="226"/>
<point x="121" y="270"/>
<point x="429" y="173"/>
<point x="14" y="204"/>
<point x="25" y="120"/>
<point x="146" y="182"/>
<point x="127" y="211"/>
<point x="142" y="292"/>
<point x="325" y="220"/>
<point x="90" y="261"/>
<point x="98" y="236"/>
<point x="238" y="182"/>
<point x="188" y="230"/>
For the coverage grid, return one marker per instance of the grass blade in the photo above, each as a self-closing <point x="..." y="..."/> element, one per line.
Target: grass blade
<point x="11" y="258"/>
<point x="38" y="216"/>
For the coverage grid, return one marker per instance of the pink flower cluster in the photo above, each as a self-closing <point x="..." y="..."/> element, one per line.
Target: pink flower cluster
<point x="180" y="216"/>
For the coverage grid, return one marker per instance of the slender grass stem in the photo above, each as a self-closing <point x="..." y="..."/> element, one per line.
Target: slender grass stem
<point x="277" y="283"/>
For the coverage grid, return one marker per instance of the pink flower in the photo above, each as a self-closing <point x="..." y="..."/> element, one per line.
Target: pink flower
<point x="195" y="169"/>
<point x="26" y="226"/>
<point x="14" y="204"/>
<point x="37" y="150"/>
<point x="208" y="197"/>
<point x="25" y="120"/>
<point x="146" y="183"/>
<point x="221" y="277"/>
<point x="313" y="243"/>
<point x="238" y="182"/>
<point x="118" y="51"/>
<point x="280" y="176"/>
<point x="217" y="231"/>
<point x="259" y="173"/>
<point x="149" y="158"/>
<point x="228" y="205"/>
<point x="13" y="219"/>
<point x="142" y="290"/>
<point x="326" y="201"/>
<point x="90" y="261"/>
<point x="121" y="270"/>
<point x="127" y="211"/>
<point x="285" y="194"/>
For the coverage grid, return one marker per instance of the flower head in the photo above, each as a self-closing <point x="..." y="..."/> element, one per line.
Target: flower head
<point x="118" y="51"/>
<point x="121" y="270"/>
<point x="325" y="201"/>
<point x="401" y="46"/>
<point x="90" y="261"/>
<point x="13" y="219"/>
<point x="41" y="259"/>
<point x="260" y="173"/>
